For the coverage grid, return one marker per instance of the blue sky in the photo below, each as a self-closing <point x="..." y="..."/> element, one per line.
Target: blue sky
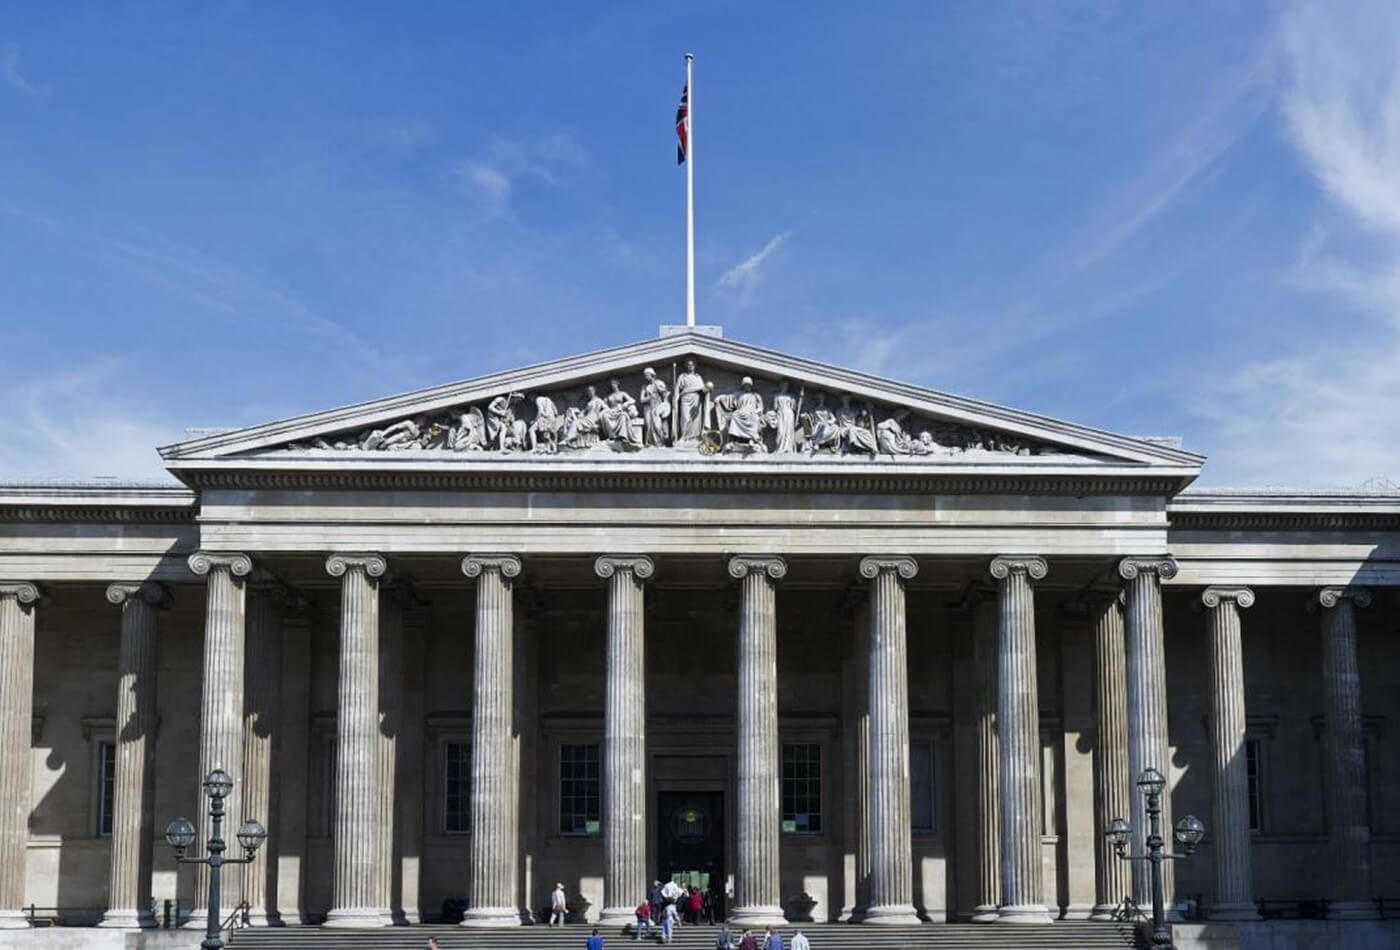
<point x="1154" y="218"/>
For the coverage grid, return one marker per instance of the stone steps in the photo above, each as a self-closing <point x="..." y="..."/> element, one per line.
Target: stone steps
<point x="1062" y="935"/>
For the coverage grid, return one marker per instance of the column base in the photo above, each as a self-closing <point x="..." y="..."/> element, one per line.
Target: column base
<point x="1352" y="910"/>
<point x="127" y="920"/>
<point x="1023" y="914"/>
<point x="618" y="917"/>
<point x="895" y="915"/>
<point x="13" y="920"/>
<point x="1105" y="912"/>
<point x="354" y="918"/>
<point x="261" y="918"/>
<point x="491" y="917"/>
<point x="1232" y="912"/>
<point x="758" y="915"/>
<point x="984" y="914"/>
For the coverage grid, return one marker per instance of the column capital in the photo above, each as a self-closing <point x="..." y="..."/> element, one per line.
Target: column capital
<point x="148" y="592"/>
<point x="202" y="562"/>
<point x="1165" y="567"/>
<point x="872" y="567"/>
<point x="1215" y="596"/>
<point x="1032" y="565"/>
<point x="507" y="564"/>
<point x="1329" y="597"/>
<point x="26" y="592"/>
<point x="641" y="566"/>
<point x="374" y="564"/>
<point x="742" y="565"/>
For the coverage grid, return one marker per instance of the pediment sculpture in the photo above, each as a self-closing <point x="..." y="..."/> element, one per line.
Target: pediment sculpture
<point x="709" y="412"/>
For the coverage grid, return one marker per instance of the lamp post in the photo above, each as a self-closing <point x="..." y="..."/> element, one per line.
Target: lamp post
<point x="1188" y="834"/>
<point x="180" y="834"/>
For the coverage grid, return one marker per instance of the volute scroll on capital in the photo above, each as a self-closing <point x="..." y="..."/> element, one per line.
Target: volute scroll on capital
<point x="1164" y="567"/>
<point x="508" y="565"/>
<point x="374" y="565"/>
<point x="641" y="566"/>
<point x="239" y="565"/>
<point x="1329" y="597"/>
<point x="1215" y="596"/>
<point x="26" y="592"/>
<point x="871" y="567"/>
<point x="148" y="592"/>
<point x="1032" y="565"/>
<point x="741" y="565"/>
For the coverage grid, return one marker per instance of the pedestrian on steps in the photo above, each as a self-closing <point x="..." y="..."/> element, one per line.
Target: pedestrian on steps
<point x="748" y="942"/>
<point x="595" y="941"/>
<point x="643" y="913"/>
<point x="724" y="940"/>
<point x="432" y="943"/>
<point x="558" y="906"/>
<point x="669" y="918"/>
<point x="772" y="941"/>
<point x="800" y="942"/>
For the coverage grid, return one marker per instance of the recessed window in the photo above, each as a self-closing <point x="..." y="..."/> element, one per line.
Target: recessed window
<point x="580" y="806"/>
<point x="106" y="787"/>
<point x="802" y="788"/>
<point x="921" y="787"/>
<point x="456" y="788"/>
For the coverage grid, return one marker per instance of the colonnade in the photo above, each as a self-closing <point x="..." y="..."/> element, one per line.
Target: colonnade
<point x="238" y="719"/>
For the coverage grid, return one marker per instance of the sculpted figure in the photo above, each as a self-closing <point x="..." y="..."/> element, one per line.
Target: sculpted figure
<point x="469" y="435"/>
<point x="823" y="431"/>
<point x="857" y="434"/>
<point x="689" y="416"/>
<point x="891" y="437"/>
<point x="656" y="411"/>
<point x="502" y="428"/>
<point x="615" y="417"/>
<point x="400" y="435"/>
<point x="741" y="417"/>
<point x="544" y="431"/>
<point x="785" y="409"/>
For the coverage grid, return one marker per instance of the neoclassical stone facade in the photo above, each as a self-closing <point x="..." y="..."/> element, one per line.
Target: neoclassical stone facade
<point x="838" y="647"/>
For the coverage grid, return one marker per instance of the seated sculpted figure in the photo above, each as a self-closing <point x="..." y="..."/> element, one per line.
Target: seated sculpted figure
<point x="891" y="437"/>
<point x="823" y="431"/>
<point x="617" y="415"/>
<point x="469" y="434"/>
<point x="857" y="428"/>
<point x="741" y="417"/>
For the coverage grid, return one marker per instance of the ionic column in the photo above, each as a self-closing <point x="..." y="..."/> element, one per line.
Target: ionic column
<point x="624" y="739"/>
<point x="356" y="870"/>
<point x="133" y="799"/>
<point x="391" y="635"/>
<point x="17" y="600"/>
<point x="1018" y="746"/>
<point x="262" y="741"/>
<point x="491" y="893"/>
<point x="1112" y="786"/>
<point x="221" y="707"/>
<point x="986" y="814"/>
<point x="1229" y="830"/>
<point x="1146" y="663"/>
<point x="1344" y="757"/>
<point x="757" y="894"/>
<point x="891" y="853"/>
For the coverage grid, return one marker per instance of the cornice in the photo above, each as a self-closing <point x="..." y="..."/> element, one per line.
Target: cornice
<point x="96" y="502"/>
<point x="1282" y="510"/>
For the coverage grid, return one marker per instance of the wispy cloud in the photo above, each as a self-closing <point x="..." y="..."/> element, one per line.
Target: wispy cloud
<point x="489" y="176"/>
<point x="489" y="186"/>
<point x="744" y="277"/>
<point x="13" y="73"/>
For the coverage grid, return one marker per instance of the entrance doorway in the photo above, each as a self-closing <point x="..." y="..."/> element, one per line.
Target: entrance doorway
<point x="690" y="840"/>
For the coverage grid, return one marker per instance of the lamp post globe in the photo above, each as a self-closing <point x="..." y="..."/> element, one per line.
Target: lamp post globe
<point x="1189" y="832"/>
<point x="179" y="834"/>
<point x="218" y="784"/>
<point x="1117" y="833"/>
<point x="251" y="835"/>
<point x="1151" y="781"/>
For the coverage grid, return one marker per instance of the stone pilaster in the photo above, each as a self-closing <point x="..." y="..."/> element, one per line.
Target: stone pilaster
<point x="1344" y="757"/>
<point x="624" y="739"/>
<point x="1018" y="746"/>
<point x="356" y="871"/>
<point x="133" y="798"/>
<point x="757" y="896"/>
<point x="1229" y="828"/>
<point x="262" y="743"/>
<point x="1145" y="660"/>
<point x="221" y="706"/>
<point x="891" y="854"/>
<point x="1113" y="879"/>
<point x="17" y="600"/>
<point x="986" y="814"/>
<point x="491" y="894"/>
<point x="387" y="740"/>
<point x="861" y="780"/>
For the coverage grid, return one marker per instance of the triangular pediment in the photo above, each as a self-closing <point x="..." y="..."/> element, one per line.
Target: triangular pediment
<point x="685" y="398"/>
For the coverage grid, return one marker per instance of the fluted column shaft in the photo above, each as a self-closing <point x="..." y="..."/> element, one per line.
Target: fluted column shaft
<point x="1018" y="747"/>
<point x="133" y="794"/>
<point x="1112" y="799"/>
<point x="1344" y="757"/>
<point x="757" y="897"/>
<point x="891" y="854"/>
<point x="17" y="600"/>
<point x="262" y="741"/>
<point x="1146" y="665"/>
<point x="624" y="739"/>
<point x="356" y="869"/>
<point x="221" y="706"/>
<point x="986" y="815"/>
<point x="1234" y="870"/>
<point x="491" y="894"/>
<point x="390" y="714"/>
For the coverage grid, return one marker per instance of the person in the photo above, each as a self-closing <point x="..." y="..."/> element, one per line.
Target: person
<point x="800" y="942"/>
<point x="747" y="941"/>
<point x="669" y="916"/>
<point x="772" y="941"/>
<point x="724" y="940"/>
<point x="654" y="899"/>
<point x="671" y="892"/>
<point x="696" y="901"/>
<point x="643" y="913"/>
<point x="595" y="940"/>
<point x="432" y="943"/>
<point x="558" y="906"/>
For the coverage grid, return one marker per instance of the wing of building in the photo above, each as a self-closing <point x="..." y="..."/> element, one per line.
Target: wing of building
<point x="825" y="646"/>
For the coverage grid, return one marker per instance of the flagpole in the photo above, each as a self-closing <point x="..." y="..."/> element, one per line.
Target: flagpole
<point x="689" y="195"/>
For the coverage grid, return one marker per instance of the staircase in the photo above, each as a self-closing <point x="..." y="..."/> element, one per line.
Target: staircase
<point x="1062" y="935"/>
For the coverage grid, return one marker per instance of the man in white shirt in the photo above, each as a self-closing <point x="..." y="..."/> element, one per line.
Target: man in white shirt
<point x="558" y="906"/>
<point x="799" y="942"/>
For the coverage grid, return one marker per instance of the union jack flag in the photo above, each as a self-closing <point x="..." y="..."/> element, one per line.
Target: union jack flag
<point x="683" y="126"/>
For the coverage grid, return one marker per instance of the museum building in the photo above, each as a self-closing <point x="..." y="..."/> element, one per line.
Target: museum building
<point x="834" y="647"/>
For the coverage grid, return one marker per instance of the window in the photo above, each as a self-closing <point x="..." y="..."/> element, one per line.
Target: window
<point x="106" y="787"/>
<point x="802" y="787"/>
<point x="1254" y="770"/>
<point x="456" y="788"/>
<point x="921" y="787"/>
<point x="579" y="790"/>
